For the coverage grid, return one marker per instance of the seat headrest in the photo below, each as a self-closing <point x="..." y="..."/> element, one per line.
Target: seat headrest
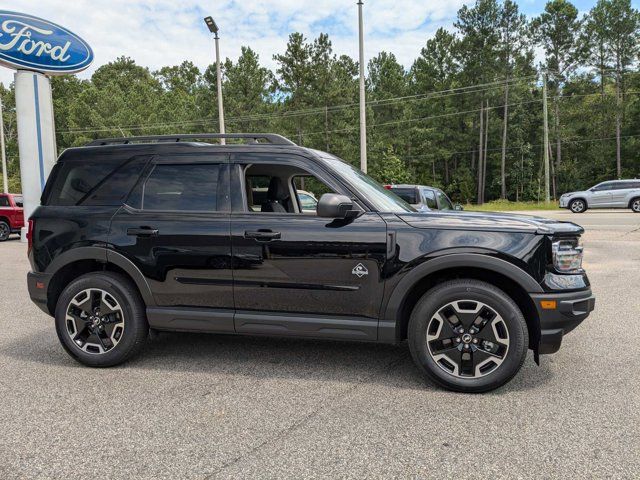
<point x="277" y="189"/>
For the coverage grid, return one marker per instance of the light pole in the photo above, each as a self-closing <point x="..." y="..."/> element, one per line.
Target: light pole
<point x="363" y="106"/>
<point x="213" y="28"/>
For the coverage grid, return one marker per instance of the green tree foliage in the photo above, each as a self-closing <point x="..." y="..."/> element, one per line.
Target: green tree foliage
<point x="424" y="119"/>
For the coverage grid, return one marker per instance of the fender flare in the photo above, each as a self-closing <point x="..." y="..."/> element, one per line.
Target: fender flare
<point x="389" y="320"/>
<point x="106" y="256"/>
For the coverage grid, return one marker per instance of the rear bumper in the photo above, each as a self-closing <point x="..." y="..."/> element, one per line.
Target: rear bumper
<point x="571" y="309"/>
<point x="38" y="285"/>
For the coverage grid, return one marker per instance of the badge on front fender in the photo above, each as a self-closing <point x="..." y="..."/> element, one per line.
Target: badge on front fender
<point x="360" y="270"/>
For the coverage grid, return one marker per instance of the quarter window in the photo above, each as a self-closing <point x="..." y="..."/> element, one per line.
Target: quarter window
<point x="182" y="187"/>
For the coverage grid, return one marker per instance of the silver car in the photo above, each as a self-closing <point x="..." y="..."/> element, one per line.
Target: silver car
<point x="611" y="194"/>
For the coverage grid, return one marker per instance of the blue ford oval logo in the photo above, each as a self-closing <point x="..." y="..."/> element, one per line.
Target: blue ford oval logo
<point x="31" y="43"/>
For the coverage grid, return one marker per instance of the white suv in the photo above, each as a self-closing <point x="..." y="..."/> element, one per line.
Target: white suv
<point x="612" y="194"/>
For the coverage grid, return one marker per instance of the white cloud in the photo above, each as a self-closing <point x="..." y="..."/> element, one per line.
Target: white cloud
<point x="156" y="33"/>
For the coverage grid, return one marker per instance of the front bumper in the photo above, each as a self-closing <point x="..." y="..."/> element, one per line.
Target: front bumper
<point x="38" y="285"/>
<point x="571" y="309"/>
<point x="563" y="203"/>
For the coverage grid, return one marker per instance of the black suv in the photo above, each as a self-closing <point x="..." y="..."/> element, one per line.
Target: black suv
<point x="164" y="233"/>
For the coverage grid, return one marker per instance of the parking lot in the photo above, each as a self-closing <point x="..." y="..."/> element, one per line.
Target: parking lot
<point x="203" y="406"/>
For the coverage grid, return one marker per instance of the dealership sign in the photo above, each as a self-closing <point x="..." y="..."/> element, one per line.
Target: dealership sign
<point x="31" y="43"/>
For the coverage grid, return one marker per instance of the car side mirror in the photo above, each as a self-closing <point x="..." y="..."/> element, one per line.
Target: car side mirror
<point x="457" y="206"/>
<point x="333" y="205"/>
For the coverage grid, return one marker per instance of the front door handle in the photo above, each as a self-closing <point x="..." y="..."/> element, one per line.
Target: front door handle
<point x="263" y="235"/>
<point x="143" y="232"/>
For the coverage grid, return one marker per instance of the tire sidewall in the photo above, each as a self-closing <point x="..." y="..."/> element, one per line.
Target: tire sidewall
<point x="633" y="204"/>
<point x="584" y="206"/>
<point x="135" y="324"/>
<point x="4" y="225"/>
<point x="437" y="298"/>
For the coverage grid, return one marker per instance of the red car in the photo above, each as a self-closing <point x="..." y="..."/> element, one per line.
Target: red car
<point x="11" y="215"/>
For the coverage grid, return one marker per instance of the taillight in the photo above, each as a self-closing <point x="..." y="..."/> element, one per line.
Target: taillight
<point x="32" y="225"/>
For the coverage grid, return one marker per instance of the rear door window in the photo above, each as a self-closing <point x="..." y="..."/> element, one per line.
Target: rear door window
<point x="182" y="187"/>
<point x="4" y="201"/>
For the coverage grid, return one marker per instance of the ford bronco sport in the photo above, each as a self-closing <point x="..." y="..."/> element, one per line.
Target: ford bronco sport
<point x="164" y="233"/>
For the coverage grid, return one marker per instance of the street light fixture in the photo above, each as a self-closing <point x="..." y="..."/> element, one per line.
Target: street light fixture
<point x="213" y="28"/>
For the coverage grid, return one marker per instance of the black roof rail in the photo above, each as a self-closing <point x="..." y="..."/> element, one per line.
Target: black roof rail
<point x="250" y="138"/>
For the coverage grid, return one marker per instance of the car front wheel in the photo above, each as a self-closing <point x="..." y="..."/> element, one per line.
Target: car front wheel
<point x="635" y="205"/>
<point x="100" y="319"/>
<point x="578" y="206"/>
<point x="468" y="336"/>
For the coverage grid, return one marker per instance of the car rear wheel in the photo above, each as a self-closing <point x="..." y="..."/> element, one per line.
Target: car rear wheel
<point x="578" y="206"/>
<point x="5" y="231"/>
<point x="468" y="336"/>
<point x="100" y="319"/>
<point x="635" y="205"/>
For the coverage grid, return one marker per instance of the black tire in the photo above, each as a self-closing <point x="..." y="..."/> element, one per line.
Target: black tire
<point x="5" y="231"/>
<point x="134" y="328"/>
<point x="578" y="206"/>
<point x="635" y="205"/>
<point x="508" y="317"/>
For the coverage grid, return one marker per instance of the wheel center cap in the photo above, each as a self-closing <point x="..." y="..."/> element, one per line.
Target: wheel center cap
<point x="95" y="321"/>
<point x="466" y="338"/>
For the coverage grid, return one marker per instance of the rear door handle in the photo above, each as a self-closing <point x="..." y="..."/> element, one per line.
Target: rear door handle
<point x="142" y="232"/>
<point x="263" y="235"/>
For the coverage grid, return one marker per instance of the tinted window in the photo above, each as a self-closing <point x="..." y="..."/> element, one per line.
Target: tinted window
<point x="443" y="201"/>
<point x="75" y="180"/>
<point x="409" y="195"/>
<point x="19" y="201"/>
<point x="184" y="187"/>
<point x="114" y="188"/>
<point x="603" y="187"/>
<point x="4" y="201"/>
<point x="628" y="184"/>
<point x="430" y="199"/>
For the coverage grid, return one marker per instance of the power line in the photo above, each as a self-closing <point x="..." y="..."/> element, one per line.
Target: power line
<point x="318" y="110"/>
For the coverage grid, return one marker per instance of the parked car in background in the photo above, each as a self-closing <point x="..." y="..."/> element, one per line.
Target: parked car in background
<point x="423" y="198"/>
<point x="11" y="215"/>
<point x="611" y="194"/>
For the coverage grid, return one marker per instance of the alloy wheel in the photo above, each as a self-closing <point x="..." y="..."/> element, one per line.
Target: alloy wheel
<point x="577" y="206"/>
<point x="635" y="206"/>
<point x="5" y="231"/>
<point x="94" y="321"/>
<point x="467" y="339"/>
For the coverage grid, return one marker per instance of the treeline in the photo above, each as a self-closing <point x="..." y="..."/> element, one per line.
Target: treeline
<point x="466" y="115"/>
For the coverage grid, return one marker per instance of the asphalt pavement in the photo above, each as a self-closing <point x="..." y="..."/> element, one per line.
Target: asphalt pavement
<point x="213" y="406"/>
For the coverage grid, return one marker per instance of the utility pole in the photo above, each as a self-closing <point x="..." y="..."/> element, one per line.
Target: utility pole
<point x="546" y="138"/>
<point x="363" y="106"/>
<point x="5" y="180"/>
<point x="213" y="28"/>
<point x="480" y="168"/>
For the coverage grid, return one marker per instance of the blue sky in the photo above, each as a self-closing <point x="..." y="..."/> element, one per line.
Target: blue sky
<point x="166" y="32"/>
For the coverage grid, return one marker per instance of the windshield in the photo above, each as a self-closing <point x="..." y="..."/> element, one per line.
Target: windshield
<point x="381" y="199"/>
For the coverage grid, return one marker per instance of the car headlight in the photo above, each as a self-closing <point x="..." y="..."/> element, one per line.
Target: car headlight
<point x="567" y="255"/>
